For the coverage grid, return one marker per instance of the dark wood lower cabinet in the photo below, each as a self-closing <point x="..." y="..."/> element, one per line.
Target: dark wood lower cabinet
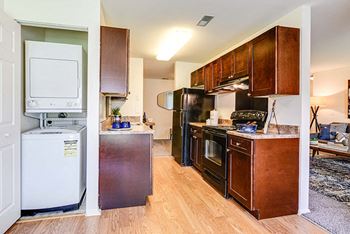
<point x="240" y="180"/>
<point x="196" y="151"/>
<point x="125" y="176"/>
<point x="264" y="175"/>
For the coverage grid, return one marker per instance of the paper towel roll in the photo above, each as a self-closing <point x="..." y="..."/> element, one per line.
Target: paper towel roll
<point x="214" y="117"/>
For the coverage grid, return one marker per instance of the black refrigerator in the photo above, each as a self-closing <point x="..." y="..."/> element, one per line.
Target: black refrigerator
<point x="189" y="105"/>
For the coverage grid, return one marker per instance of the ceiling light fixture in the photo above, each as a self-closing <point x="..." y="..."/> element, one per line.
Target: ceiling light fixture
<point x="175" y="40"/>
<point x="205" y="20"/>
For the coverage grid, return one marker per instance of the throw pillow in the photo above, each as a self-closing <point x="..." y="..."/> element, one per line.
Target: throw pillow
<point x="342" y="138"/>
<point x="332" y="135"/>
<point x="325" y="132"/>
<point x="339" y="127"/>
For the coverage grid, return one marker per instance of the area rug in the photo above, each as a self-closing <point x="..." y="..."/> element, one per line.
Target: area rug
<point x="331" y="177"/>
<point x="329" y="213"/>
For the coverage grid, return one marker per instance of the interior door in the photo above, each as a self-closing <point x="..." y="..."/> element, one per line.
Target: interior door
<point x="9" y="121"/>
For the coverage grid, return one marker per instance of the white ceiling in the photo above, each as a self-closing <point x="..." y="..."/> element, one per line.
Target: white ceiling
<point x="330" y="34"/>
<point x="150" y="20"/>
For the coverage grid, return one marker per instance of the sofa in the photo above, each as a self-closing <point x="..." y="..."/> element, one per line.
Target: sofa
<point x="336" y="132"/>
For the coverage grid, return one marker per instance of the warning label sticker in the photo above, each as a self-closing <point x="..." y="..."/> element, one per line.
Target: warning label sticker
<point x="71" y="148"/>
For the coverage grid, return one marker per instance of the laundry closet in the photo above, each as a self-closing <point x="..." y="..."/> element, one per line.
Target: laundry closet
<point x="53" y="121"/>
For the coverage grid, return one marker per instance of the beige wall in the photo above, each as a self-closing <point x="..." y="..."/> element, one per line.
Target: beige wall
<point x="133" y="106"/>
<point x="332" y="88"/>
<point x="182" y="75"/>
<point x="161" y="117"/>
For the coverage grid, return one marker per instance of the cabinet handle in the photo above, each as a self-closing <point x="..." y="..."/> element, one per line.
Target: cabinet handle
<point x="238" y="144"/>
<point x="194" y="137"/>
<point x="228" y="150"/>
<point x="249" y="94"/>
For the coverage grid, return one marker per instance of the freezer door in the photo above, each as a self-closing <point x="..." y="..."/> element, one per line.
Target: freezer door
<point x="179" y="99"/>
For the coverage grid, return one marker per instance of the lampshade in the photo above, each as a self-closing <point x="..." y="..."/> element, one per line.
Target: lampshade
<point x="317" y="101"/>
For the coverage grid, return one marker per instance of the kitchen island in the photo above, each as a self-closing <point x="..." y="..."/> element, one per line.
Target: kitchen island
<point x="125" y="177"/>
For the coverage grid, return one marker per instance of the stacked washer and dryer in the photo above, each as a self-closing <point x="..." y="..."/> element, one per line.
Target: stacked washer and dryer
<point x="54" y="155"/>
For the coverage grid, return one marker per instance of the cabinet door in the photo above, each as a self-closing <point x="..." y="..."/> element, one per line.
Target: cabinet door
<point x="114" y="61"/>
<point x="200" y="76"/>
<point x="198" y="159"/>
<point x="240" y="177"/>
<point x="208" y="78"/>
<point x="216" y="72"/>
<point x="226" y="66"/>
<point x="241" y="61"/>
<point x="194" y="80"/>
<point x="192" y="148"/>
<point x="263" y="72"/>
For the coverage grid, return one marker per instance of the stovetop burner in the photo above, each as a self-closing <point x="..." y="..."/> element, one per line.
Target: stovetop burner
<point x="220" y="128"/>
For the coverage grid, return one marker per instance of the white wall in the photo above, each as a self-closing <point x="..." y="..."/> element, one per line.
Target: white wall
<point x="332" y="87"/>
<point x="161" y="117"/>
<point x="133" y="106"/>
<point x="80" y="14"/>
<point x="225" y="104"/>
<point x="182" y="74"/>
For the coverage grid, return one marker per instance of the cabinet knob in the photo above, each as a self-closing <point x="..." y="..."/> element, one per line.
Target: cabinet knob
<point x="238" y="144"/>
<point x="249" y="94"/>
<point x="228" y="150"/>
<point x="194" y="137"/>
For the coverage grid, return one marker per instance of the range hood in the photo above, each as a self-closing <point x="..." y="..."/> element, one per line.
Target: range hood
<point x="233" y="85"/>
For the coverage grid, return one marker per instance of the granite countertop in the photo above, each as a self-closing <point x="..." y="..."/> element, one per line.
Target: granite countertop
<point x="197" y="124"/>
<point x="260" y="135"/>
<point x="135" y="129"/>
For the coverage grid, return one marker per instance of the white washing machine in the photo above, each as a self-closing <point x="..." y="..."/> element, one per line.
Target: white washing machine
<point x="53" y="169"/>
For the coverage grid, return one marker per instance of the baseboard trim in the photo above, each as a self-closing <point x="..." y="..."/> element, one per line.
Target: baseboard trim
<point x="303" y="211"/>
<point x="93" y="212"/>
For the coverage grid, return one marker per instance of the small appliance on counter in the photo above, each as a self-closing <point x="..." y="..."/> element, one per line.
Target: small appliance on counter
<point x="214" y="117"/>
<point x="244" y="118"/>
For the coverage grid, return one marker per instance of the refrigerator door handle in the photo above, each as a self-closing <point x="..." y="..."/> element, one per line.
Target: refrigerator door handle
<point x="181" y="102"/>
<point x="181" y="112"/>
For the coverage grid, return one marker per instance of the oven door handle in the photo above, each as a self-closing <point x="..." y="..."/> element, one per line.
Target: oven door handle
<point x="215" y="133"/>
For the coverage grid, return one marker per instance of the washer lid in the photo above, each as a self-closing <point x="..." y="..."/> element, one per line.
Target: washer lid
<point x="56" y="130"/>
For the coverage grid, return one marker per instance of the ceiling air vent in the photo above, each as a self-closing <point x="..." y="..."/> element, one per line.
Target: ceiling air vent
<point x="205" y="20"/>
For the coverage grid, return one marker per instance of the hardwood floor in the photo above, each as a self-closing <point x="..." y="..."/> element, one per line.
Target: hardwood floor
<point x="181" y="203"/>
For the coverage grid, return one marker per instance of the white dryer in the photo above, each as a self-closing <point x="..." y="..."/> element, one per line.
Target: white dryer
<point x="53" y="169"/>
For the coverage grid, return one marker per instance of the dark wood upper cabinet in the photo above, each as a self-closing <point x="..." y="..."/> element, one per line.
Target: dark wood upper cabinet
<point x="227" y="66"/>
<point x="241" y="61"/>
<point x="194" y="79"/>
<point x="200" y="76"/>
<point x="197" y="78"/>
<point x="208" y="78"/>
<point x="275" y="62"/>
<point x="114" y="61"/>
<point x="216" y="72"/>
